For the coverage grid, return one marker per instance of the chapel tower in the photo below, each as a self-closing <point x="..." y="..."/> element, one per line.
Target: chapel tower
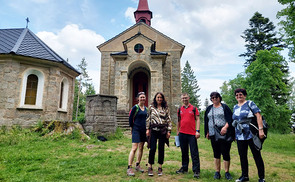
<point x="143" y="14"/>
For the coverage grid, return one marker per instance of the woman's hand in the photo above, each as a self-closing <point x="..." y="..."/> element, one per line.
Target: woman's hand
<point x="207" y="136"/>
<point x="147" y="133"/>
<point x="168" y="135"/>
<point x="223" y="130"/>
<point x="261" y="134"/>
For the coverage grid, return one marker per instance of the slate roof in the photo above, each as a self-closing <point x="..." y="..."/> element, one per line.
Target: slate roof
<point x="23" y="42"/>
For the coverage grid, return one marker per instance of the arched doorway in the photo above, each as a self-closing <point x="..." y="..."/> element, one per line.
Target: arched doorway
<point x="140" y="84"/>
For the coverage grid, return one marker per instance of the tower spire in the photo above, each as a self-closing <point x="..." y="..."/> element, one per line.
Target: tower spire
<point x="143" y="14"/>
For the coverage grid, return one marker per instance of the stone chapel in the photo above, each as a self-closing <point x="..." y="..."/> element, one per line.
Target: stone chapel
<point x="36" y="84"/>
<point x="141" y="59"/>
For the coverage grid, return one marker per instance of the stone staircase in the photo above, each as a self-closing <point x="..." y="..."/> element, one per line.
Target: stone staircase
<point x="123" y="120"/>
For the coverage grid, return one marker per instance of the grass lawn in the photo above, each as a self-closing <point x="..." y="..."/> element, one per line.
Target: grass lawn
<point x="27" y="156"/>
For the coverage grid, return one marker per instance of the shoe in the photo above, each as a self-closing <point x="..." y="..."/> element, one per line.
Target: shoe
<point x="139" y="169"/>
<point x="261" y="180"/>
<point x="217" y="175"/>
<point x="181" y="171"/>
<point x="228" y="176"/>
<point x="242" y="178"/>
<point x="197" y="175"/>
<point x="130" y="172"/>
<point x="150" y="171"/>
<point x="160" y="171"/>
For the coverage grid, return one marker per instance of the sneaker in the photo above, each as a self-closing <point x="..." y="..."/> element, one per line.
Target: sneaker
<point x="130" y="172"/>
<point x="197" y="175"/>
<point x="160" y="171"/>
<point x="228" y="176"/>
<point x="217" y="175"/>
<point x="181" y="171"/>
<point x="261" y="180"/>
<point x="150" y="171"/>
<point x="242" y="178"/>
<point x="139" y="169"/>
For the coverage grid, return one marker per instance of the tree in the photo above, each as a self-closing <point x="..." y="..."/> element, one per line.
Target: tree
<point x="190" y="85"/>
<point x="260" y="36"/>
<point x="263" y="77"/>
<point x="228" y="89"/>
<point x="82" y="89"/>
<point x="288" y="25"/>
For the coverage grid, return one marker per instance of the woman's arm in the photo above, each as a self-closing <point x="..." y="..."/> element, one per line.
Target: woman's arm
<point x="260" y="125"/>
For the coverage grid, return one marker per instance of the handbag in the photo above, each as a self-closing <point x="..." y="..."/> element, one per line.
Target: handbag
<point x="255" y="130"/>
<point x="217" y="130"/>
<point x="218" y="136"/>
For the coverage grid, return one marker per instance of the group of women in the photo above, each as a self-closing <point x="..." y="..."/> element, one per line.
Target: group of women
<point x="155" y="123"/>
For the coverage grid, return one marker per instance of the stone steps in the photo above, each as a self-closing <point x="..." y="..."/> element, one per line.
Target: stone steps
<point x="123" y="120"/>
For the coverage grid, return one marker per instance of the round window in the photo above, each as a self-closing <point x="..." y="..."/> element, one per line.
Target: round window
<point x="138" y="48"/>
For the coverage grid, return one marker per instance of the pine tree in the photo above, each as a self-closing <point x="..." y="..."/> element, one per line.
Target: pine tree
<point x="260" y="36"/>
<point x="190" y="85"/>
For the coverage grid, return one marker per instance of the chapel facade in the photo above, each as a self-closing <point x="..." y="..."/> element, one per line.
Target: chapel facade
<point x="141" y="59"/>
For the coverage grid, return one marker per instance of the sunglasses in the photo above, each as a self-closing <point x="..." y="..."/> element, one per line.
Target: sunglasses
<point x="239" y="94"/>
<point x="214" y="97"/>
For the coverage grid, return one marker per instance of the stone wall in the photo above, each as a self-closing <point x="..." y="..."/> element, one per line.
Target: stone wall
<point x="11" y="75"/>
<point x="100" y="114"/>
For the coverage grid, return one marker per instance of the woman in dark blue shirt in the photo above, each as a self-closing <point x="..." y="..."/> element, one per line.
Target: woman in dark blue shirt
<point x="137" y="122"/>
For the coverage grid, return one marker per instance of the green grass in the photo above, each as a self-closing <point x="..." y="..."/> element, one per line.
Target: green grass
<point x="27" y="156"/>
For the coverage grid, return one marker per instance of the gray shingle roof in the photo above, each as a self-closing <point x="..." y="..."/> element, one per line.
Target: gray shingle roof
<point x="23" y="42"/>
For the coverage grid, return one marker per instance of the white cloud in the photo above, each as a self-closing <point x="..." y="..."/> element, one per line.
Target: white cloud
<point x="129" y="14"/>
<point x="211" y="32"/>
<point x="74" y="43"/>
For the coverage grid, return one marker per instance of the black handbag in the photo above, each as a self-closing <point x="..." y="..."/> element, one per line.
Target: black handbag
<point x="217" y="130"/>
<point x="255" y="130"/>
<point x="218" y="135"/>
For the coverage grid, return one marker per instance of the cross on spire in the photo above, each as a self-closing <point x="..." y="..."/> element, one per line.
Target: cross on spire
<point x="27" y="19"/>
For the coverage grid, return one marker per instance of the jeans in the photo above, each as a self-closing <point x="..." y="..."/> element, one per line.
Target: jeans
<point x="186" y="142"/>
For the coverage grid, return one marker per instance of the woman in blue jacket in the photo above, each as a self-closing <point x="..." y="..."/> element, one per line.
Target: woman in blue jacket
<point x="137" y="122"/>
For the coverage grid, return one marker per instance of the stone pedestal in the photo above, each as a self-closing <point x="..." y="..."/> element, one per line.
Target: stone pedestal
<point x="100" y="114"/>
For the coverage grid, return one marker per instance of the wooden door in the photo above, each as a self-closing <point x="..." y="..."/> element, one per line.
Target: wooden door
<point x="140" y="84"/>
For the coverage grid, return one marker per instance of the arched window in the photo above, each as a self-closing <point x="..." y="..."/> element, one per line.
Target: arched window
<point x="63" y="98"/>
<point x="32" y="89"/>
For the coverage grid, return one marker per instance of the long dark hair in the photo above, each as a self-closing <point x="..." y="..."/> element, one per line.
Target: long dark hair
<point x="163" y="104"/>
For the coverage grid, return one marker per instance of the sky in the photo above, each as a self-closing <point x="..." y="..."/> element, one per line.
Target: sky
<point x="210" y="30"/>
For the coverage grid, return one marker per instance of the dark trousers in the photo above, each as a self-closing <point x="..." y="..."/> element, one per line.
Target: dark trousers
<point x="243" y="151"/>
<point x="186" y="142"/>
<point x="156" y="135"/>
<point x="220" y="147"/>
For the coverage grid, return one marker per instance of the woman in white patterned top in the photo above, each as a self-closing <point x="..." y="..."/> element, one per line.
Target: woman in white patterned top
<point x="158" y="125"/>
<point x="219" y="114"/>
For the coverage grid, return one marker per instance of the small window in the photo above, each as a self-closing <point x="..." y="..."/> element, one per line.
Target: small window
<point x="31" y="91"/>
<point x="138" y="48"/>
<point x="61" y="94"/>
<point x="64" y="91"/>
